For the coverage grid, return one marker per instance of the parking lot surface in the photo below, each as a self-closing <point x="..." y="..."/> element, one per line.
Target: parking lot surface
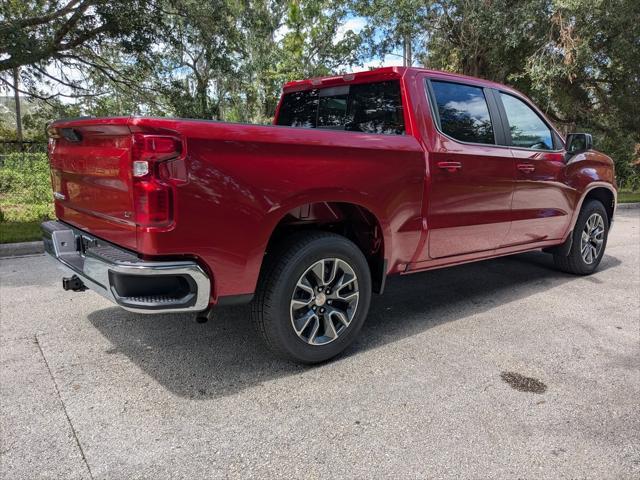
<point x="500" y="369"/>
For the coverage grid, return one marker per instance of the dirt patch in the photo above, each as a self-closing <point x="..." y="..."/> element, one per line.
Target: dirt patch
<point x="522" y="383"/>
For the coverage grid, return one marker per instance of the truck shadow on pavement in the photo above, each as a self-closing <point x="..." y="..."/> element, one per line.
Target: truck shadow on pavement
<point x="226" y="355"/>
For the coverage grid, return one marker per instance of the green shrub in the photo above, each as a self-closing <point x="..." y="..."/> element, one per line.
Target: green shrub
<point x="25" y="188"/>
<point x="9" y="180"/>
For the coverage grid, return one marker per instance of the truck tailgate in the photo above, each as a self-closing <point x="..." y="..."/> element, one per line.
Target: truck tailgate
<point x="92" y="177"/>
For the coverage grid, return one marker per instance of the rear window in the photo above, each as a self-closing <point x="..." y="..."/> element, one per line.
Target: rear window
<point x="368" y="108"/>
<point x="463" y="112"/>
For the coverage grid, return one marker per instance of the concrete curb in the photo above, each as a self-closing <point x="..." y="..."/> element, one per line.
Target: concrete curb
<point x="626" y="206"/>
<point x="19" y="249"/>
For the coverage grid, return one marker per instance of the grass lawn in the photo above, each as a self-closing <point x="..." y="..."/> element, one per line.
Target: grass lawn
<point x="628" y="197"/>
<point x="21" y="221"/>
<point x="11" y="232"/>
<point x="25" y="196"/>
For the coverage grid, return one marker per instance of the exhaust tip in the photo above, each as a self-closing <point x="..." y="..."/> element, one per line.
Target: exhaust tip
<point x="204" y="316"/>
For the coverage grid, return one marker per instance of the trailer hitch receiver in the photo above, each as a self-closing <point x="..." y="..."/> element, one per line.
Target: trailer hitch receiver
<point x="73" y="283"/>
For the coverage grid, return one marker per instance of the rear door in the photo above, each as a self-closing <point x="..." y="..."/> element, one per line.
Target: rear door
<point x="470" y="176"/>
<point x="541" y="200"/>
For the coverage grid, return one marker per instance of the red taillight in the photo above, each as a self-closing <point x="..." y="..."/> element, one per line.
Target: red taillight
<point x="155" y="148"/>
<point x="153" y="190"/>
<point x="154" y="203"/>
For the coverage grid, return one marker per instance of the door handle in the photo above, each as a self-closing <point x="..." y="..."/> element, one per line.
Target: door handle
<point x="526" y="167"/>
<point x="450" y="166"/>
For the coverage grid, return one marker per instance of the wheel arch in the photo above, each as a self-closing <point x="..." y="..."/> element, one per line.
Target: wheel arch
<point x="603" y="192"/>
<point x="350" y="219"/>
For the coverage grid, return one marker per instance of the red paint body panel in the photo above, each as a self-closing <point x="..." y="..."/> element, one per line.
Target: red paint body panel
<point x="469" y="210"/>
<point x="542" y="202"/>
<point x="95" y="179"/>
<point x="239" y="181"/>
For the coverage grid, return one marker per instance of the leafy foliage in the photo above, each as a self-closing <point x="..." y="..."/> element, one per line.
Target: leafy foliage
<point x="227" y="59"/>
<point x="25" y="188"/>
<point x="578" y="59"/>
<point x="63" y="43"/>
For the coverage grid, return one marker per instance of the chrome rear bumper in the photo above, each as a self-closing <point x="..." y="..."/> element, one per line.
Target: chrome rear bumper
<point x="120" y="276"/>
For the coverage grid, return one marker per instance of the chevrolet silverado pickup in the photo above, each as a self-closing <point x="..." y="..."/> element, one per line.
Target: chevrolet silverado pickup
<point x="385" y="172"/>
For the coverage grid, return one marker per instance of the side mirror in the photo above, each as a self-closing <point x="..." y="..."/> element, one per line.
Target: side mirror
<point x="579" y="142"/>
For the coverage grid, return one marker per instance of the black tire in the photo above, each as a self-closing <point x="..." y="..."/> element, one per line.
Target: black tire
<point x="574" y="262"/>
<point x="271" y="308"/>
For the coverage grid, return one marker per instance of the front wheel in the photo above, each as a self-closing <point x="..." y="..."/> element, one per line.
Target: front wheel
<point x="589" y="241"/>
<point x="313" y="297"/>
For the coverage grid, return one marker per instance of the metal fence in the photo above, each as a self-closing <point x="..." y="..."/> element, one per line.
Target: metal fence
<point x="21" y="149"/>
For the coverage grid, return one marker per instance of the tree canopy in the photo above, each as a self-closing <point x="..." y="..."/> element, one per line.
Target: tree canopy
<point x="579" y="60"/>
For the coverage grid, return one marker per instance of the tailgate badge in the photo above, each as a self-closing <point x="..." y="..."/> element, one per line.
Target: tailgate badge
<point x="59" y="196"/>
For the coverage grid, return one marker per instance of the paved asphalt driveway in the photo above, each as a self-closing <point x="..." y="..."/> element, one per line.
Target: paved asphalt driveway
<point x="91" y="391"/>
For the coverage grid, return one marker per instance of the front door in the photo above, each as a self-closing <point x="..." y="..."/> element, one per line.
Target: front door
<point x="470" y="177"/>
<point x="542" y="201"/>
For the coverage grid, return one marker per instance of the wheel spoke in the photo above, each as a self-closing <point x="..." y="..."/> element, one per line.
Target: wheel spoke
<point x="349" y="297"/>
<point x="318" y="272"/>
<point x="304" y="284"/>
<point x="314" y="331"/>
<point x="340" y="315"/>
<point x="304" y="321"/>
<point x="298" y="304"/>
<point x="332" y="273"/>
<point x="329" y="328"/>
<point x="344" y="281"/>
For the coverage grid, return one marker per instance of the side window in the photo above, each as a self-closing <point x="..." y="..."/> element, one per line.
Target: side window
<point x="463" y="111"/>
<point x="367" y="108"/>
<point x="527" y="128"/>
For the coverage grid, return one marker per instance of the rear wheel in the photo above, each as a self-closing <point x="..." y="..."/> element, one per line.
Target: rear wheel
<point x="313" y="297"/>
<point x="589" y="241"/>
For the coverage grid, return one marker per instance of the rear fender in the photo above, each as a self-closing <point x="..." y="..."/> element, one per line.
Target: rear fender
<point x="326" y="196"/>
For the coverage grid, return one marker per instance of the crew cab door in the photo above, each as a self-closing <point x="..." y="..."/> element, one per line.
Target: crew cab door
<point x="470" y="177"/>
<point x="542" y="202"/>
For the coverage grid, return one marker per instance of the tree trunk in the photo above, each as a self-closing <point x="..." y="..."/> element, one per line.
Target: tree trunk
<point x="16" y="97"/>
<point x="407" y="53"/>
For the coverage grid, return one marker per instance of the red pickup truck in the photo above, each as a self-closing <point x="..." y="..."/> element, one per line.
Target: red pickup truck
<point x="391" y="171"/>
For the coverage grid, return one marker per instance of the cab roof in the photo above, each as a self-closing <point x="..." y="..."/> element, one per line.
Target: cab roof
<point x="379" y="75"/>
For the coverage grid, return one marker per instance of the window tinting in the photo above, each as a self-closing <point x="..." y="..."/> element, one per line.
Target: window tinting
<point x="463" y="111"/>
<point x="376" y="108"/>
<point x="299" y="109"/>
<point x="332" y="110"/>
<point x="527" y="128"/>
<point x="369" y="108"/>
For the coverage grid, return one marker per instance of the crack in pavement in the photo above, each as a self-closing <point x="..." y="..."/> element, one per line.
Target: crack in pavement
<point x="64" y="407"/>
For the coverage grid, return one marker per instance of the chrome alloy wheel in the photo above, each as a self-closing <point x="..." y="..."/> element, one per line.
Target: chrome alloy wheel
<point x="324" y="301"/>
<point x="592" y="238"/>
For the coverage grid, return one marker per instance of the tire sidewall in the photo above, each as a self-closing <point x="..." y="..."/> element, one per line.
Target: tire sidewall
<point x="329" y="247"/>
